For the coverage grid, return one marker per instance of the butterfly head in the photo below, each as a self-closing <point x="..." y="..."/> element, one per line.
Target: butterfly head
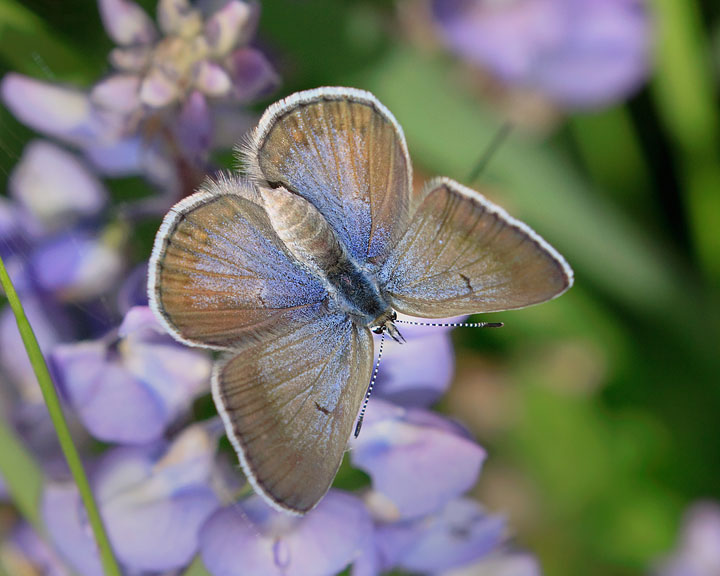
<point x="386" y="323"/>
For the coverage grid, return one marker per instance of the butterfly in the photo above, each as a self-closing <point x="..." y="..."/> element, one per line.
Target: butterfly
<point x="290" y="268"/>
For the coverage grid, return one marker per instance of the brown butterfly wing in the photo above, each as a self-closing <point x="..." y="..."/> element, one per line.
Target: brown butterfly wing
<point x="463" y="254"/>
<point x="219" y="276"/>
<point x="289" y="404"/>
<point x="343" y="151"/>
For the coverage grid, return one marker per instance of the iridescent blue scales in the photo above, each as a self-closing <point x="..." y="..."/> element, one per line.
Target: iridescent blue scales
<point x="289" y="268"/>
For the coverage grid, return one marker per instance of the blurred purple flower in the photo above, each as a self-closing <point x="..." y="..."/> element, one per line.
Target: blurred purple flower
<point x="500" y="563"/>
<point x="459" y="534"/>
<point x="397" y="446"/>
<point x="698" y="551"/>
<point x="54" y="193"/>
<point x="76" y="265"/>
<point x="153" y="500"/>
<point x="24" y="553"/>
<point x="131" y="387"/>
<point x="418" y="372"/>
<point x="21" y="399"/>
<point x="153" y="115"/>
<point x="51" y="326"/>
<point x="68" y="529"/>
<point x="578" y="53"/>
<point x="251" y="539"/>
<point x="13" y="230"/>
<point x="57" y="111"/>
<point x="55" y="187"/>
<point x="193" y="55"/>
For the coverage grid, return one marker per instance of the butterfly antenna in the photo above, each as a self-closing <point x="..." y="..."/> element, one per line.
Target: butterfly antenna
<point x="370" y="388"/>
<point x="484" y="160"/>
<point x="453" y="324"/>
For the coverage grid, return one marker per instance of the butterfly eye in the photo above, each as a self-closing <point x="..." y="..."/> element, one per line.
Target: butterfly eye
<point x="378" y="329"/>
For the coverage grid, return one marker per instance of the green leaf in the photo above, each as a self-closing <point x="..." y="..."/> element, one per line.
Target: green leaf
<point x="683" y="88"/>
<point x="683" y="83"/>
<point x="611" y="153"/>
<point x="29" y="46"/>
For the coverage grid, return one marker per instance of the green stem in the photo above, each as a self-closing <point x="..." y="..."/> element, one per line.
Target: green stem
<point x="42" y="374"/>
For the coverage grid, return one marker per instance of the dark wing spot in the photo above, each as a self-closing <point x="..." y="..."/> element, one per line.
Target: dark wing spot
<point x="322" y="409"/>
<point x="467" y="282"/>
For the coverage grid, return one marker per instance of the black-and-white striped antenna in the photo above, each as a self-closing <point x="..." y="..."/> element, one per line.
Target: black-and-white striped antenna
<point x="453" y="324"/>
<point x="370" y="388"/>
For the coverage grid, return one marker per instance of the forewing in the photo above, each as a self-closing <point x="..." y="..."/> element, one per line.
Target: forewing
<point x="343" y="151"/>
<point x="289" y="404"/>
<point x="219" y="275"/>
<point x="463" y="254"/>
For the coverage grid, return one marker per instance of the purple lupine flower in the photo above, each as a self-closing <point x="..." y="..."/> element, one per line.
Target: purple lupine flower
<point x="55" y="187"/>
<point x="68" y="529"/>
<point x="22" y="401"/>
<point x="171" y="77"/>
<point x="8" y="226"/>
<point x="51" y="326"/>
<point x="14" y="229"/>
<point x="578" y="53"/>
<point x="57" y="111"/>
<point x="459" y="534"/>
<point x="698" y="551"/>
<point x="397" y="446"/>
<point x="76" y="265"/>
<point x="192" y="55"/>
<point x="153" y="500"/>
<point x="129" y="388"/>
<point x="57" y="197"/>
<point x="152" y="115"/>
<point x="252" y="539"/>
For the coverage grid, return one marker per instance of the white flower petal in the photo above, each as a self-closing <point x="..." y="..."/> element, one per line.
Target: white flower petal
<point x="131" y="58"/>
<point x="120" y="158"/>
<point x="51" y="109"/>
<point x="157" y="90"/>
<point x="119" y="93"/>
<point x="178" y="17"/>
<point x="126" y="23"/>
<point x="231" y="25"/>
<point x="212" y="80"/>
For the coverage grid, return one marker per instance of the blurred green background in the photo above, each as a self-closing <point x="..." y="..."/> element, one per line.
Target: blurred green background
<point x="600" y="411"/>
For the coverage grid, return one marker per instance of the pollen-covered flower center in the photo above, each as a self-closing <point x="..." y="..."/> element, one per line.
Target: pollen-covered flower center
<point x="178" y="57"/>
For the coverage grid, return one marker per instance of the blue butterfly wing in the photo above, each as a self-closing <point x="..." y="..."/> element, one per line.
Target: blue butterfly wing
<point x="289" y="403"/>
<point x="462" y="254"/>
<point x="219" y="276"/>
<point x="342" y="150"/>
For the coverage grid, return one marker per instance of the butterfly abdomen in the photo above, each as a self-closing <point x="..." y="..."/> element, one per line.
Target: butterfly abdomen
<point x="312" y="241"/>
